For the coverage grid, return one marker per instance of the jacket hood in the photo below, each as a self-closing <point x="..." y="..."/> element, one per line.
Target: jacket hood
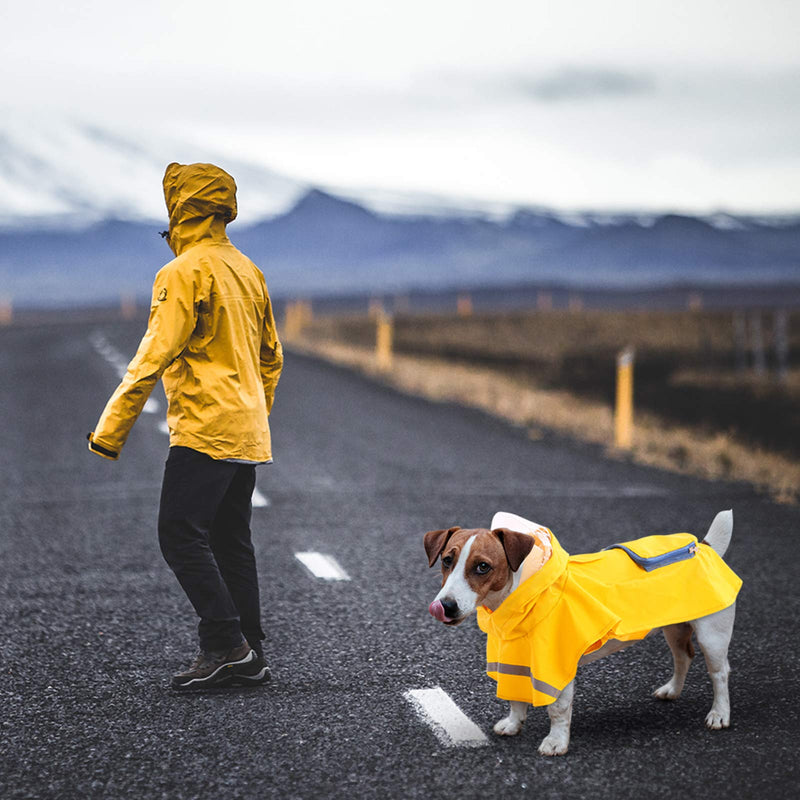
<point x="201" y="201"/>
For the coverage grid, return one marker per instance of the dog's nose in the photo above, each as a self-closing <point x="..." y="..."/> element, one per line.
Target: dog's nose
<point x="443" y="610"/>
<point x="450" y="607"/>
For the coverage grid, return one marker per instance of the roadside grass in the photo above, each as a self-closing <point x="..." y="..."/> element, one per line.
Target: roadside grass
<point x="441" y="369"/>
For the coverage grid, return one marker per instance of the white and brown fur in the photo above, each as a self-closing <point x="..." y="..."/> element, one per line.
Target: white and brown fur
<point x="480" y="568"/>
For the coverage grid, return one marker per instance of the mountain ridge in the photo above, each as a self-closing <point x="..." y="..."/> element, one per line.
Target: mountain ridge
<point x="326" y="244"/>
<point x="81" y="208"/>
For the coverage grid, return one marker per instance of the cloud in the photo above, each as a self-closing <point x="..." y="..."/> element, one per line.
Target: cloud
<point x="582" y="83"/>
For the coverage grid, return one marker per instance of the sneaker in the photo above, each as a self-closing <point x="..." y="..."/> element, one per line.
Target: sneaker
<point x="216" y="668"/>
<point x="257" y="674"/>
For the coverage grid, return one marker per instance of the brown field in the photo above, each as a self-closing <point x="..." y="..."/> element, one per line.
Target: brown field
<point x="700" y="405"/>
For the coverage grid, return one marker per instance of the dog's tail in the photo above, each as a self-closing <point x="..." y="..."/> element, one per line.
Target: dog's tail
<point x="719" y="534"/>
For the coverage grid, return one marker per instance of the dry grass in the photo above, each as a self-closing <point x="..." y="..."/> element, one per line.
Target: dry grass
<point x="657" y="443"/>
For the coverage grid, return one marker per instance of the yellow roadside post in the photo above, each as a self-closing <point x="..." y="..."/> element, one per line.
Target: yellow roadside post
<point x="464" y="305"/>
<point x="6" y="310"/>
<point x="623" y="418"/>
<point x="383" y="342"/>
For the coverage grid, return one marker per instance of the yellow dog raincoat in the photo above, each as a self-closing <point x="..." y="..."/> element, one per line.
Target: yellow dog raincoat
<point x="569" y="606"/>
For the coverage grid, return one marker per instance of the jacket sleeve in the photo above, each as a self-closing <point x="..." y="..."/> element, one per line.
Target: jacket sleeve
<point x="173" y="315"/>
<point x="270" y="357"/>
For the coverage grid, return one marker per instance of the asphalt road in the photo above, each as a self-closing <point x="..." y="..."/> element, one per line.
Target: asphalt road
<point x="93" y="623"/>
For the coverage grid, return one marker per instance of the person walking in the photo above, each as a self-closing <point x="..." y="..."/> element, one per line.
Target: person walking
<point x="212" y="337"/>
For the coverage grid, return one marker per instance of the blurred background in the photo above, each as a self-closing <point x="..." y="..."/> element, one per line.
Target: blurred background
<point x="588" y="175"/>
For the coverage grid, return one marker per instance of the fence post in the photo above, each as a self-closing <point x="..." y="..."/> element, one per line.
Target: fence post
<point x="288" y="320"/>
<point x="544" y="300"/>
<point x="127" y="305"/>
<point x="375" y="308"/>
<point x="757" y="343"/>
<point x="464" y="305"/>
<point x="575" y="302"/>
<point x="740" y="340"/>
<point x="384" y="335"/>
<point x="6" y="310"/>
<point x="781" y="328"/>
<point x="402" y="304"/>
<point x="623" y="417"/>
<point x="306" y="313"/>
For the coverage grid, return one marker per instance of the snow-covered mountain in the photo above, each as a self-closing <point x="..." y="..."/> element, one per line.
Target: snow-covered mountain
<point x="67" y="173"/>
<point x="81" y="208"/>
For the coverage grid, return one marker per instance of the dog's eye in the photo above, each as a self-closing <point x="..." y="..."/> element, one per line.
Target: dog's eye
<point x="447" y="562"/>
<point x="483" y="568"/>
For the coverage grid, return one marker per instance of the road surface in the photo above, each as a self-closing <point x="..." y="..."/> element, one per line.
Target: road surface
<point x="94" y="623"/>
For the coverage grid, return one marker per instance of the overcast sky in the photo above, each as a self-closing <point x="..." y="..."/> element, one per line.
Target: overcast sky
<point x="622" y="104"/>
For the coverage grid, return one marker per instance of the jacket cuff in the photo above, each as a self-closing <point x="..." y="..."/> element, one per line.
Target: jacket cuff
<point x="100" y="450"/>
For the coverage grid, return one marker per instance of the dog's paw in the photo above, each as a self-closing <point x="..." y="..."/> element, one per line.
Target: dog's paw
<point x="508" y="726"/>
<point x="554" y="745"/>
<point x="667" y="692"/>
<point x="716" y="720"/>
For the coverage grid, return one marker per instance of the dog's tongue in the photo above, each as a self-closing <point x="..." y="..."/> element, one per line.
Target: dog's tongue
<point x="436" y="610"/>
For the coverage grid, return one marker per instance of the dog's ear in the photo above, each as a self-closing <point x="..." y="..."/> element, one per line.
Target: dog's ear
<point x="516" y="545"/>
<point x="435" y="542"/>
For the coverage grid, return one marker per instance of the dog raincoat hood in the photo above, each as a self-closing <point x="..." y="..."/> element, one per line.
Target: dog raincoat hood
<point x="573" y="605"/>
<point x="211" y="333"/>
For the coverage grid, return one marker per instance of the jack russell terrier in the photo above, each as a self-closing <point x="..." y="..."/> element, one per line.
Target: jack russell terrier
<point x="546" y="613"/>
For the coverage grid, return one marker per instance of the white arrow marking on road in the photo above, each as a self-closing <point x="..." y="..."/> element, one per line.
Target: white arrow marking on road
<point x="259" y="501"/>
<point x="322" y="566"/>
<point x="453" y="728"/>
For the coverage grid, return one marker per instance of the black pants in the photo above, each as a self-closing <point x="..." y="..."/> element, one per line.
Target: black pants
<point x="204" y="533"/>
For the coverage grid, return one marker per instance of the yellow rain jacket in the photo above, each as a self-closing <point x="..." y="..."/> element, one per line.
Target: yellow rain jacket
<point x="211" y="334"/>
<point x="573" y="605"/>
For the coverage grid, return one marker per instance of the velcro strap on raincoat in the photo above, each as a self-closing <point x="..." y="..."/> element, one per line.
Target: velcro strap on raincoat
<point x="100" y="450"/>
<point x="650" y="563"/>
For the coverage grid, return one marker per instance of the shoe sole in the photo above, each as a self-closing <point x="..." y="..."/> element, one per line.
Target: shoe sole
<point x="219" y="677"/>
<point x="262" y="676"/>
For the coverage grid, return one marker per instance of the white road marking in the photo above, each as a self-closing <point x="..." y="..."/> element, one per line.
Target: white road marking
<point x="163" y="427"/>
<point x="322" y="566"/>
<point x="259" y="501"/>
<point x="151" y="406"/>
<point x="452" y="727"/>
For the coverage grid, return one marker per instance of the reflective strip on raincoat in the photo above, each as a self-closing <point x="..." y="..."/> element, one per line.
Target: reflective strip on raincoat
<point x="575" y="604"/>
<point x="211" y="334"/>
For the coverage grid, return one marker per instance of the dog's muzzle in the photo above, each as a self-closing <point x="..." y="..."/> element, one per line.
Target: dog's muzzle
<point x="445" y="611"/>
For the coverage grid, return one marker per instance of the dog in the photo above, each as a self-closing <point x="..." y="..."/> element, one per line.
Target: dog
<point x="499" y="573"/>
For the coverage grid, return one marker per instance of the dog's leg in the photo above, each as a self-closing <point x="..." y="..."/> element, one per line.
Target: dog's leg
<point x="512" y="724"/>
<point x="557" y="741"/>
<point x="679" y="639"/>
<point x="713" y="635"/>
